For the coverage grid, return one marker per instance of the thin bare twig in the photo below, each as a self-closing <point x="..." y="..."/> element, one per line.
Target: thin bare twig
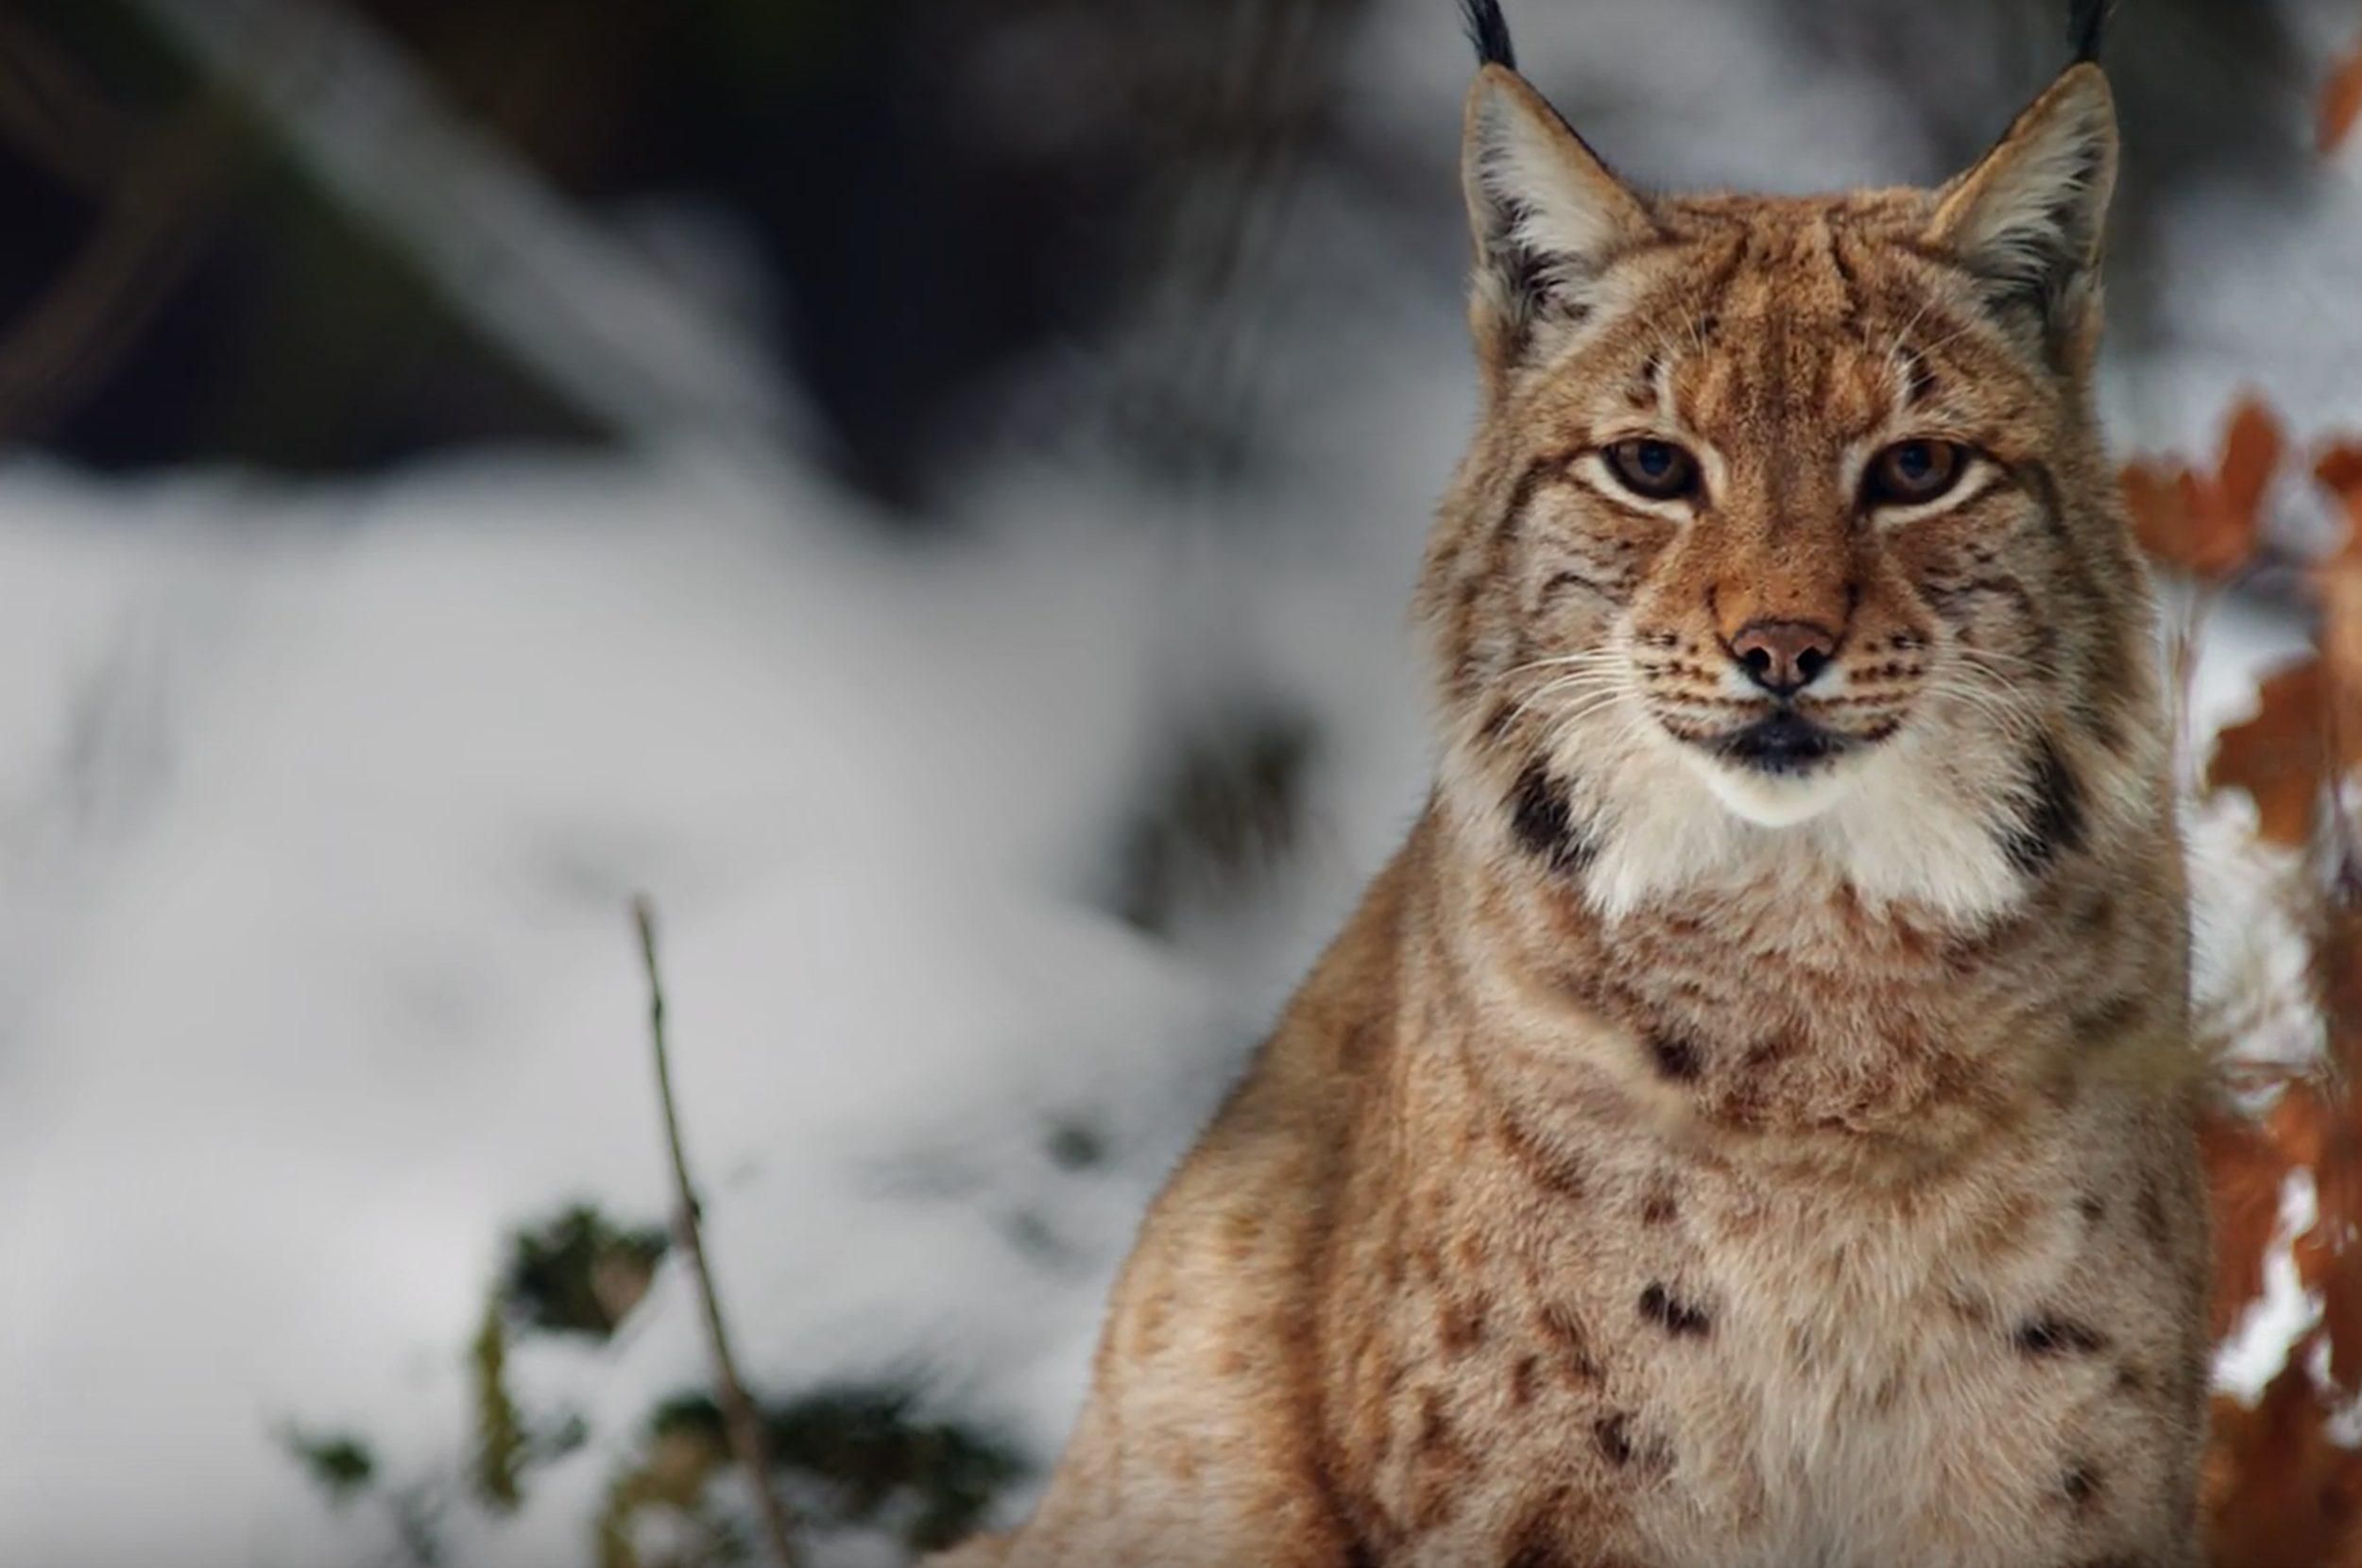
<point x="740" y="1421"/>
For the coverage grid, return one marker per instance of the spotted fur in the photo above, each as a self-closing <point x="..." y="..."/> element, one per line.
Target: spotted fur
<point x="1706" y="1151"/>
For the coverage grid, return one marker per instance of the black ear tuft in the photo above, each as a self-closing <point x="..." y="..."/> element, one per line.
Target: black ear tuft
<point x="1488" y="29"/>
<point x="2086" y="20"/>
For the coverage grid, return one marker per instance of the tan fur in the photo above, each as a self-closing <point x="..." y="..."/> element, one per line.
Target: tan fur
<point x="1674" y="1167"/>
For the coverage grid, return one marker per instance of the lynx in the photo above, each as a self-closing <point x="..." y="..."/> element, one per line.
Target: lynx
<point x="1749" y="1122"/>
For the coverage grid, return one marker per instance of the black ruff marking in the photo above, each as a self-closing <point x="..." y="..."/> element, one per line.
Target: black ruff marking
<point x="1488" y="29"/>
<point x="1673" y="1314"/>
<point x="1675" y="1057"/>
<point x="1545" y="826"/>
<point x="2051" y="822"/>
<point x="2048" y="1336"/>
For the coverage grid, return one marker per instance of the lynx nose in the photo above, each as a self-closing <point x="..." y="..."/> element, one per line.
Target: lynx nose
<point x="1784" y="657"/>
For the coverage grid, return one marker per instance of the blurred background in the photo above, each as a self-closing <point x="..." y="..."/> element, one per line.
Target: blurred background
<point x="926" y="489"/>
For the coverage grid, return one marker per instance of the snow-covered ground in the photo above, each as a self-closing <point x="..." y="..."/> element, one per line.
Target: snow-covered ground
<point x="320" y="807"/>
<point x="321" y="812"/>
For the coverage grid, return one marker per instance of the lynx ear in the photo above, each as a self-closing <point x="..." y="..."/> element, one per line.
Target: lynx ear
<point x="1547" y="214"/>
<point x="2029" y="219"/>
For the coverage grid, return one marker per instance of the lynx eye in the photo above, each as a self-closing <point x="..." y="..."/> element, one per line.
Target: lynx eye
<point x="1910" y="473"/>
<point x="1655" y="471"/>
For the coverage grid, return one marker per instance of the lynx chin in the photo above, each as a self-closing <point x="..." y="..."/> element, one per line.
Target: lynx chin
<point x="1749" y="1122"/>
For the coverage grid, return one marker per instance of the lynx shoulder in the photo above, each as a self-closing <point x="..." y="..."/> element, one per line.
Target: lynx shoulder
<point x="1749" y="1122"/>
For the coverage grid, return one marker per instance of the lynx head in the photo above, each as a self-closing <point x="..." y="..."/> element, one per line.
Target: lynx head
<point x="1785" y="537"/>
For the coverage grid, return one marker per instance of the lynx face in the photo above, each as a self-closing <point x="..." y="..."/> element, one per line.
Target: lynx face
<point x="1787" y="531"/>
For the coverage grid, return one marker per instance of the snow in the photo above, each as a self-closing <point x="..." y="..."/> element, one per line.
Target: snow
<point x="322" y="813"/>
<point x="320" y="808"/>
<point x="2259" y="1343"/>
<point x="344" y="907"/>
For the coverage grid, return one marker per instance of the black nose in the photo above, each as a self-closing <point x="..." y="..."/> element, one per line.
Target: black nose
<point x="1784" y="657"/>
